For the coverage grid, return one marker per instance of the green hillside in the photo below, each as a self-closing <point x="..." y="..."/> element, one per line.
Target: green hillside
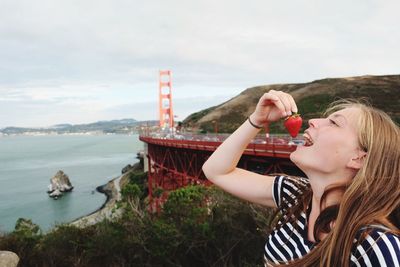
<point x="312" y="98"/>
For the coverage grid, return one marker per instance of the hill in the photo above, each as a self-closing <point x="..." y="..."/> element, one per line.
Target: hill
<point x="312" y="98"/>
<point x="123" y="126"/>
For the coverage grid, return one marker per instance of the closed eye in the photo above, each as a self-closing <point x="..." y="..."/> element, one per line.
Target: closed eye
<point x="333" y="122"/>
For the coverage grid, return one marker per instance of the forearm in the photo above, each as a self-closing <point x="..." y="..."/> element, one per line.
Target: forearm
<point x="226" y="157"/>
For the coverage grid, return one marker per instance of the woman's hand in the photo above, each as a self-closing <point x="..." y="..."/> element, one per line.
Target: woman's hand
<point x="273" y="106"/>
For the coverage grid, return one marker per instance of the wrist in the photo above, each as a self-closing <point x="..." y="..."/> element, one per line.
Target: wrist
<point x="257" y="120"/>
<point x="254" y="122"/>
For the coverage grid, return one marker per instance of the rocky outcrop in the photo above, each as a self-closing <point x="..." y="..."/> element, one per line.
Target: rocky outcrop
<point x="58" y="184"/>
<point x="8" y="259"/>
<point x="126" y="168"/>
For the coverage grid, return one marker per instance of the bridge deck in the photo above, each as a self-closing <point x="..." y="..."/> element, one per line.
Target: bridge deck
<point x="277" y="146"/>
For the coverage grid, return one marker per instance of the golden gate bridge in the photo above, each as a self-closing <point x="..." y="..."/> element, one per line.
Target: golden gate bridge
<point x="174" y="159"/>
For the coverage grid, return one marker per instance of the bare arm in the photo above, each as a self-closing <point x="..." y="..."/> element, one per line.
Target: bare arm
<point x="220" y="168"/>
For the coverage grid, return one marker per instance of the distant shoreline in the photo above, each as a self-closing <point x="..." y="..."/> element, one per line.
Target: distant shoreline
<point x="66" y="134"/>
<point x="110" y="127"/>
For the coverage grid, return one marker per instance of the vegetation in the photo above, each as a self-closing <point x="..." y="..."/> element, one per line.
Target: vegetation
<point x="197" y="226"/>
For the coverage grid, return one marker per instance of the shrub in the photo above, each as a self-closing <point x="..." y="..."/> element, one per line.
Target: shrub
<point x="198" y="226"/>
<point x="23" y="241"/>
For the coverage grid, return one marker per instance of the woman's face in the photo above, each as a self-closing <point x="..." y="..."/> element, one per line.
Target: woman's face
<point x="334" y="142"/>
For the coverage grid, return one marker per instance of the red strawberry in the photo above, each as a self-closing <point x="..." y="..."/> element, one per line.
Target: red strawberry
<point x="293" y="124"/>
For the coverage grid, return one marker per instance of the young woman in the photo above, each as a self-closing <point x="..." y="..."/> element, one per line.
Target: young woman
<point x="346" y="212"/>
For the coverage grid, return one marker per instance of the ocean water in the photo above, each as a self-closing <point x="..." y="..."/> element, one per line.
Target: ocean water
<point x="28" y="162"/>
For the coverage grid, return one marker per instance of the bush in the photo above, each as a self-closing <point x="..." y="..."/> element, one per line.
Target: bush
<point x="198" y="226"/>
<point x="139" y="179"/>
<point x="239" y="230"/>
<point x="65" y="246"/>
<point x="23" y="241"/>
<point x="201" y="226"/>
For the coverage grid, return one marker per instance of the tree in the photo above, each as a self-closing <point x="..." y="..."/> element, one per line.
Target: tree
<point x="131" y="194"/>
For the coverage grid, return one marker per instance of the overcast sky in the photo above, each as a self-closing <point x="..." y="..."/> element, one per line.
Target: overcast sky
<point x="78" y="61"/>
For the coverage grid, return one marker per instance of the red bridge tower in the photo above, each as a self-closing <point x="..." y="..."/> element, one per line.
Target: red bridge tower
<point x="165" y="99"/>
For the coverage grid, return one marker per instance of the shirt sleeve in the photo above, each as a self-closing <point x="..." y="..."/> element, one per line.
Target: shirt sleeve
<point x="378" y="249"/>
<point x="286" y="189"/>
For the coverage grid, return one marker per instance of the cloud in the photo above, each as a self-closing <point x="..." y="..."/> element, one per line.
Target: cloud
<point x="101" y="54"/>
<point x="110" y="40"/>
<point x="51" y="94"/>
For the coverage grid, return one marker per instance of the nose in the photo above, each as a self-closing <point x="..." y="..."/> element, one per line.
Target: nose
<point x="312" y="123"/>
<point x="315" y="123"/>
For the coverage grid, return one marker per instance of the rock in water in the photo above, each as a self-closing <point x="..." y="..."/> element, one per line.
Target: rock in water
<point x="58" y="184"/>
<point x="8" y="259"/>
<point x="55" y="194"/>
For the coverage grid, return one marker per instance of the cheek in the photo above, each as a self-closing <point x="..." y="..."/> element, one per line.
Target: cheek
<point x="331" y="154"/>
<point x="326" y="157"/>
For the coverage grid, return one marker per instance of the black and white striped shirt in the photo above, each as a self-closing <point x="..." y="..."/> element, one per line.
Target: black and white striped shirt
<point x="289" y="242"/>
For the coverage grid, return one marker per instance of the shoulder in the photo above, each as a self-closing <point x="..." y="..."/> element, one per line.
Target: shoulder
<point x="287" y="189"/>
<point x="379" y="247"/>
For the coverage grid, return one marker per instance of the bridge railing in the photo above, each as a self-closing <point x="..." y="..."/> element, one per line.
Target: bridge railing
<point x="280" y="139"/>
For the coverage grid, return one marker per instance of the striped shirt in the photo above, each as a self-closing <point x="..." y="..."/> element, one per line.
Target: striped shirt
<point x="290" y="242"/>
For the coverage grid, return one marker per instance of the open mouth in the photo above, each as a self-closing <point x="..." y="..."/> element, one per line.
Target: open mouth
<point x="308" y="140"/>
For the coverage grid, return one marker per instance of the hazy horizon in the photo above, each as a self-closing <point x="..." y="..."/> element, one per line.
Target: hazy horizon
<point x="63" y="123"/>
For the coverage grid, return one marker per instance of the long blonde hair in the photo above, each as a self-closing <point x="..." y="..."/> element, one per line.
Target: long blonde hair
<point x="373" y="196"/>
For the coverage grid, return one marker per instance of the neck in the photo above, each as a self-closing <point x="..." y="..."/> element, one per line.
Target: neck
<point x="319" y="184"/>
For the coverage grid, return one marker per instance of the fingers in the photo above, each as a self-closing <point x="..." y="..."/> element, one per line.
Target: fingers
<point x="293" y="104"/>
<point x="271" y="96"/>
<point x="284" y="102"/>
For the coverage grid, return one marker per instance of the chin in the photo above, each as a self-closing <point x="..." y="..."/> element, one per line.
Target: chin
<point x="296" y="157"/>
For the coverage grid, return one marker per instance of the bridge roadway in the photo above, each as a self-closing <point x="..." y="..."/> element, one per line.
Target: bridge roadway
<point x="174" y="160"/>
<point x="277" y="146"/>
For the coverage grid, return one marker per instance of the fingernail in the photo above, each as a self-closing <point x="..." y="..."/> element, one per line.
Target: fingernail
<point x="289" y="113"/>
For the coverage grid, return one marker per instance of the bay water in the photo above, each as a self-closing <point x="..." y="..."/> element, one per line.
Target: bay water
<point x="28" y="162"/>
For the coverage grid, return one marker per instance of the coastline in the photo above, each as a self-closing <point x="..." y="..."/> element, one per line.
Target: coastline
<point x="112" y="190"/>
<point x="106" y="211"/>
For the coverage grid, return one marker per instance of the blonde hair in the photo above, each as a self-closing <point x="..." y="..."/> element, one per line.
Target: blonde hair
<point x="372" y="197"/>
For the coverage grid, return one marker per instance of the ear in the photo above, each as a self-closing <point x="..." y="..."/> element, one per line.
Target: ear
<point x="357" y="161"/>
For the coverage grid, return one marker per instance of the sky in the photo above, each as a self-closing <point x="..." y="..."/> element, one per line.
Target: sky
<point x="81" y="61"/>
